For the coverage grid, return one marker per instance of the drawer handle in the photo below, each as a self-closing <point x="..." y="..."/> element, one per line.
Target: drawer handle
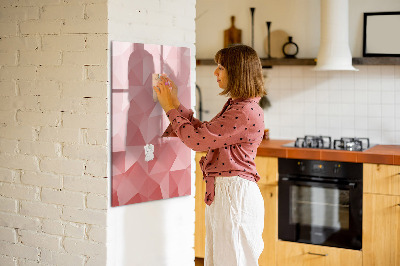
<point x="318" y="254"/>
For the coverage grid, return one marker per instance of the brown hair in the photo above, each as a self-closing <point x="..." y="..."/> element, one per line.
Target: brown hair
<point x="245" y="78"/>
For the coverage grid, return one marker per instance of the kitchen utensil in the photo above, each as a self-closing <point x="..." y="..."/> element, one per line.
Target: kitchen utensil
<point x="269" y="38"/>
<point x="252" y="9"/>
<point x="232" y="35"/>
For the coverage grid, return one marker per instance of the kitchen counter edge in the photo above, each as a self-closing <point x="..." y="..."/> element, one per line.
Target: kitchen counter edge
<point x="378" y="154"/>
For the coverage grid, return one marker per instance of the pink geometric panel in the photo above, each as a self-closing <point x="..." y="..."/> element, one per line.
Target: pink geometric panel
<point x="146" y="167"/>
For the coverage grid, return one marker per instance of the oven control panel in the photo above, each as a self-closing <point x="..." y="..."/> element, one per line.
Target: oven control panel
<point x="330" y="169"/>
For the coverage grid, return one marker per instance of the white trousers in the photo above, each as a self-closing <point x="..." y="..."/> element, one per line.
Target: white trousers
<point x="234" y="223"/>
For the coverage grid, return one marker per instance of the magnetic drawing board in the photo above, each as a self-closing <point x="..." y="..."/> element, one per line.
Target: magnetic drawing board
<point x="146" y="167"/>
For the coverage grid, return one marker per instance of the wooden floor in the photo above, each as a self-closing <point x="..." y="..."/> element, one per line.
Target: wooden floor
<point x="199" y="262"/>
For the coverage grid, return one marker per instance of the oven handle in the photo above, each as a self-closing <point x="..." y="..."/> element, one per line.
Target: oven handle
<point x="297" y="181"/>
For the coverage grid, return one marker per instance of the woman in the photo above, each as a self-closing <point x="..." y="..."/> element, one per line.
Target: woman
<point x="235" y="207"/>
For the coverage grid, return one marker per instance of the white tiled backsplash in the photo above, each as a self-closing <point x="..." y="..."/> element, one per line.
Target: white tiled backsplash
<point x="331" y="103"/>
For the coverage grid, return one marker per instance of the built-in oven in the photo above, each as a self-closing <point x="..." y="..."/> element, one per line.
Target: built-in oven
<point x="320" y="202"/>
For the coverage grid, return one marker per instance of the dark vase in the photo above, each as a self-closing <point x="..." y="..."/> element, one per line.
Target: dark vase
<point x="290" y="49"/>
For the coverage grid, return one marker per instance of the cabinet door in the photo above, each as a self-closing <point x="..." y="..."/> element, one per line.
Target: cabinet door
<point x="270" y="233"/>
<point x="200" y="207"/>
<point x="267" y="168"/>
<point x="297" y="254"/>
<point x="381" y="230"/>
<point x="381" y="179"/>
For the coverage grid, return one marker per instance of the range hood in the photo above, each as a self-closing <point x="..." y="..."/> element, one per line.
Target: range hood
<point x="334" y="51"/>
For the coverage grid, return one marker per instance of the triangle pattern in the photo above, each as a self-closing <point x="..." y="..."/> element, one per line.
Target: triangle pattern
<point x="137" y="121"/>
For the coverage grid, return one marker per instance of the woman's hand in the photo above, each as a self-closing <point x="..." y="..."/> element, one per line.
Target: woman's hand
<point x="174" y="89"/>
<point x="164" y="95"/>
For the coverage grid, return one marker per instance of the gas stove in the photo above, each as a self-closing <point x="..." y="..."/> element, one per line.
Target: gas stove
<point x="325" y="142"/>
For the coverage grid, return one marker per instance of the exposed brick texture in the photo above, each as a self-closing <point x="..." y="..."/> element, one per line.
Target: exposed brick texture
<point x="53" y="56"/>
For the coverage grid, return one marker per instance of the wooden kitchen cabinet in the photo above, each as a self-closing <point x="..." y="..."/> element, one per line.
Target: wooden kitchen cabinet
<point x="381" y="230"/>
<point x="267" y="168"/>
<point x="270" y="233"/>
<point x="381" y="215"/>
<point x="200" y="207"/>
<point x="298" y="254"/>
<point x="381" y="179"/>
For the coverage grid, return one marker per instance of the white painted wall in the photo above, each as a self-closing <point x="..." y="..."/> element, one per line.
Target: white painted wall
<point x="159" y="232"/>
<point x="338" y="104"/>
<point x="299" y="18"/>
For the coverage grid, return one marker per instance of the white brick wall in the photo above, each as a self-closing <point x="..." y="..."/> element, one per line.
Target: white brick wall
<point x="53" y="130"/>
<point x="53" y="124"/>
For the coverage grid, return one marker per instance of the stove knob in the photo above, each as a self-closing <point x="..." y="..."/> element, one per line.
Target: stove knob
<point x="336" y="169"/>
<point x="301" y="166"/>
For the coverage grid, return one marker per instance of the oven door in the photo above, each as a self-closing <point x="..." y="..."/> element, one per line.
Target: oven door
<point x="321" y="212"/>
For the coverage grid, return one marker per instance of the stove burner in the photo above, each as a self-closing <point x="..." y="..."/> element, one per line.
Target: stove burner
<point x="322" y="142"/>
<point x="351" y="144"/>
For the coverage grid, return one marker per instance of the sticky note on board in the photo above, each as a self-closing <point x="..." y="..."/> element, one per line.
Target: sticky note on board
<point x="155" y="78"/>
<point x="149" y="152"/>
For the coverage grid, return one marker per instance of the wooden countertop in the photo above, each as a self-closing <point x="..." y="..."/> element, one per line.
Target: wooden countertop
<point x="379" y="154"/>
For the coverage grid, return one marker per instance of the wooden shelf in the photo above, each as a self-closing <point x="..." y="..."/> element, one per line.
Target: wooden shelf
<point x="288" y="62"/>
<point x="312" y="61"/>
<point x="376" y="61"/>
<point x="268" y="63"/>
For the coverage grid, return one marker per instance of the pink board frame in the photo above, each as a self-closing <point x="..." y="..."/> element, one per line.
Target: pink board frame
<point x="138" y="122"/>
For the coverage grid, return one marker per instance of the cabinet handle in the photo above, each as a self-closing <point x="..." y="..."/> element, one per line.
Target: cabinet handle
<point x="318" y="254"/>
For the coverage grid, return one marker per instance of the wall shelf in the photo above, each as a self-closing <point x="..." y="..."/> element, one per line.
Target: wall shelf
<point x="312" y="61"/>
<point x="376" y="61"/>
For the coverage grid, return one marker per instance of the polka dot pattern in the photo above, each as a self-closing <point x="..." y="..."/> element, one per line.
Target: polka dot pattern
<point x="231" y="139"/>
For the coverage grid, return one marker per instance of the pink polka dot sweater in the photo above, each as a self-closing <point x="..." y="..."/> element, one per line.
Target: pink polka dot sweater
<point x="231" y="139"/>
